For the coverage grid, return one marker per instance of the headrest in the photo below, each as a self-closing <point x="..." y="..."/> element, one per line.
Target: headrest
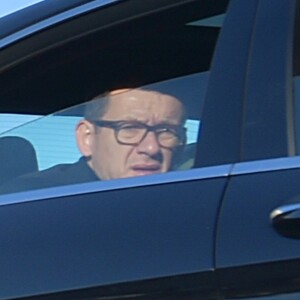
<point x="17" y="157"/>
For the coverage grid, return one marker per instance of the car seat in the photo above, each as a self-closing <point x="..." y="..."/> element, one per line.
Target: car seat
<point x="186" y="159"/>
<point x="17" y="156"/>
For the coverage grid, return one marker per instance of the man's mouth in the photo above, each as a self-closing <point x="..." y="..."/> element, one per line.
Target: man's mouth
<point x="146" y="169"/>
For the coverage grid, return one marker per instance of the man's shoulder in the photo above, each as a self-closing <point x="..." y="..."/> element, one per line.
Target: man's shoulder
<point x="58" y="175"/>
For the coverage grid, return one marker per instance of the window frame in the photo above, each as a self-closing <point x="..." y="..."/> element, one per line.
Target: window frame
<point x="218" y="84"/>
<point x="268" y="120"/>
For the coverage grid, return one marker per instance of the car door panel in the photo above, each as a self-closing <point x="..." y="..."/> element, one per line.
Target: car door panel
<point x="109" y="237"/>
<point x="162" y="232"/>
<point x="252" y="257"/>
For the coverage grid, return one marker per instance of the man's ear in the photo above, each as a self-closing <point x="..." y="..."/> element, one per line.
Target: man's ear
<point x="84" y="135"/>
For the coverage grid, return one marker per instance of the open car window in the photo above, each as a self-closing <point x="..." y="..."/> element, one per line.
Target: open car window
<point x="53" y="136"/>
<point x="169" y="52"/>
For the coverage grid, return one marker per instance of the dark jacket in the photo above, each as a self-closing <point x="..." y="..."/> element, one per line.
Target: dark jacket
<point x="63" y="174"/>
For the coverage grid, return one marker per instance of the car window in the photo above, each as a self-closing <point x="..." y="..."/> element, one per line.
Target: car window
<point x="52" y="133"/>
<point x="163" y="54"/>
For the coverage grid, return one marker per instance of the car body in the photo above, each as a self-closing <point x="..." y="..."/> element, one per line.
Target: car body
<point x="225" y="223"/>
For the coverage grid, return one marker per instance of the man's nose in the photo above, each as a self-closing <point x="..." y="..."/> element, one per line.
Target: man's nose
<point x="149" y="144"/>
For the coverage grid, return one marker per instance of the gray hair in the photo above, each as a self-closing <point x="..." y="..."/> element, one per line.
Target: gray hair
<point x="97" y="107"/>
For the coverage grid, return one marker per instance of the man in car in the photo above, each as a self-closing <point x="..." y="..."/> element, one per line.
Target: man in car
<point x="129" y="132"/>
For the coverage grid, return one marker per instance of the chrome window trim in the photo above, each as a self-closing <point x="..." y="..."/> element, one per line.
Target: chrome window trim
<point x="250" y="167"/>
<point x="117" y="184"/>
<point x="84" y="8"/>
<point x="266" y="165"/>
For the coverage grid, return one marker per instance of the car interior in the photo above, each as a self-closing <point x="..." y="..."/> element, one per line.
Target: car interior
<point x="168" y="51"/>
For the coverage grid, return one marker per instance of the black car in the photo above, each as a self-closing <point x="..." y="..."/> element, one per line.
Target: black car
<point x="225" y="222"/>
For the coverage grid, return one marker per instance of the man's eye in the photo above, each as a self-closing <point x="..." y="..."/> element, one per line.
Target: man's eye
<point x="166" y="130"/>
<point x="167" y="133"/>
<point x="131" y="127"/>
<point x="131" y="130"/>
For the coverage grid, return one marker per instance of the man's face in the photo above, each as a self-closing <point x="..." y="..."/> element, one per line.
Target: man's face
<point x="110" y="159"/>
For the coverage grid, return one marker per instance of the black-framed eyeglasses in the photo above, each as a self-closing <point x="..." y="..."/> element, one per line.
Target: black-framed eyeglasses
<point x="133" y="132"/>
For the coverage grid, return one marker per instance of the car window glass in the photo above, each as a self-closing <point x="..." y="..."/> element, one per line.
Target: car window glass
<point x="50" y="134"/>
<point x="172" y="61"/>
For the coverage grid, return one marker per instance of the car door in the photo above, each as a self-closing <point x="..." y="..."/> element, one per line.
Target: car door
<point x="149" y="236"/>
<point x="257" y="240"/>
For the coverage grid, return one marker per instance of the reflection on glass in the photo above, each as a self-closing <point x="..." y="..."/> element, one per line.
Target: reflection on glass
<point x="150" y="134"/>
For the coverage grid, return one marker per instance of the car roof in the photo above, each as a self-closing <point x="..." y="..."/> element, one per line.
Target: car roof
<point x="41" y="15"/>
